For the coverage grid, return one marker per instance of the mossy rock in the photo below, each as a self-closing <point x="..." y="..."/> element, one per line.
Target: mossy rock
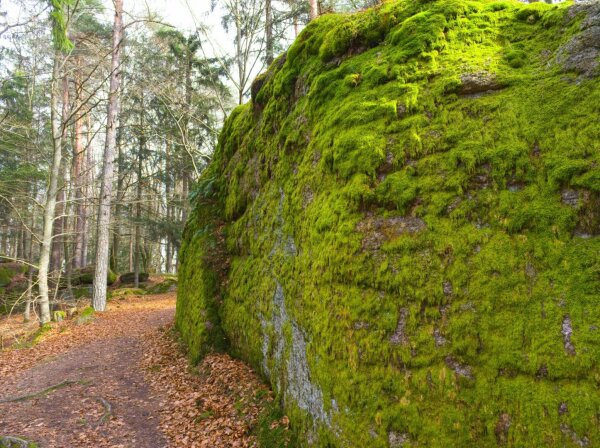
<point x="167" y="285"/>
<point x="126" y="292"/>
<point x="16" y="442"/>
<point x="129" y="277"/>
<point x="85" y="276"/>
<point x="404" y="236"/>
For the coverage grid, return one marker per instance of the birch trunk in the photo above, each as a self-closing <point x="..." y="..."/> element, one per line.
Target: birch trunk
<point x="77" y="175"/>
<point x="314" y="9"/>
<point x="102" y="238"/>
<point x="268" y="32"/>
<point x="50" y="206"/>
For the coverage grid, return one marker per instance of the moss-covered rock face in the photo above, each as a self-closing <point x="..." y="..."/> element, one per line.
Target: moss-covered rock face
<point x="401" y="230"/>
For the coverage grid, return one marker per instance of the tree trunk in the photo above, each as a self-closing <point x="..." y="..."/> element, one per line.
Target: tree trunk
<point x="114" y="251"/>
<point x="29" y="294"/>
<point x="59" y="224"/>
<point x="168" y="206"/>
<point x="50" y="205"/>
<point x="239" y="55"/>
<point x="102" y="237"/>
<point x="77" y="174"/>
<point x="268" y="32"/>
<point x="88" y="192"/>
<point x="314" y="9"/>
<point x="138" y="196"/>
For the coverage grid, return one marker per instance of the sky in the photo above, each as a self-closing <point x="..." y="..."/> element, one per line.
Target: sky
<point x="183" y="14"/>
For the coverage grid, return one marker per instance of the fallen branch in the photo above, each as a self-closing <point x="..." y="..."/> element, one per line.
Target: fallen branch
<point x="40" y="393"/>
<point x="107" y="411"/>
<point x="13" y="442"/>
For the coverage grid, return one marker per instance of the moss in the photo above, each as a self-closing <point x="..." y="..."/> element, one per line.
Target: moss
<point x="39" y="335"/>
<point x="126" y="292"/>
<point x="85" y="276"/>
<point x="168" y="284"/>
<point x="6" y="275"/>
<point x="86" y="315"/>
<point x="410" y="219"/>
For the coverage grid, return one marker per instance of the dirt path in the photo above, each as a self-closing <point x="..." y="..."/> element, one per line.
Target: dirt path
<point x="123" y="381"/>
<point x="106" y="401"/>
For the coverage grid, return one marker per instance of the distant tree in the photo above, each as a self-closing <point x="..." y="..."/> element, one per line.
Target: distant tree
<point x="102" y="238"/>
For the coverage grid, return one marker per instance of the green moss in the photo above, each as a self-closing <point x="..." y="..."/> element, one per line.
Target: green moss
<point x="6" y="275"/>
<point x="86" y="315"/>
<point x="165" y="286"/>
<point x="85" y="276"/>
<point x="411" y="217"/>
<point x="126" y="292"/>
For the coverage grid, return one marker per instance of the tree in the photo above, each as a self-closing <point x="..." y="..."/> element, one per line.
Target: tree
<point x="314" y="9"/>
<point x="102" y="239"/>
<point x="62" y="44"/>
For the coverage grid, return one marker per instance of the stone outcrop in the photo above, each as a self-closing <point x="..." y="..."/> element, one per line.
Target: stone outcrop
<point x="401" y="230"/>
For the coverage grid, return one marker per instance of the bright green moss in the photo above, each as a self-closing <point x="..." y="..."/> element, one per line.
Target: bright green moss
<point x="403" y="227"/>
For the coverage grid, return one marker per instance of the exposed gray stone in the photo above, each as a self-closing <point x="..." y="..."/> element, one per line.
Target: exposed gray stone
<point x="440" y="340"/>
<point x="569" y="432"/>
<point x="399" y="336"/>
<point x="478" y="82"/>
<point x="581" y="54"/>
<point x="299" y="387"/>
<point x="447" y="287"/>
<point x="563" y="408"/>
<point x="567" y="331"/>
<point x="398" y="439"/>
<point x="460" y="369"/>
<point x="570" y="197"/>
<point x="360" y="325"/>
<point x="502" y="427"/>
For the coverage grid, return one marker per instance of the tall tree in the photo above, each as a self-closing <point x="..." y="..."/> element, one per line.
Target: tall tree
<point x="102" y="238"/>
<point x="62" y="44"/>
<point x="313" y="9"/>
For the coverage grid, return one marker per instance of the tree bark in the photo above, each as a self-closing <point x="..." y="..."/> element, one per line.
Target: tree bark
<point x="102" y="238"/>
<point x="314" y="9"/>
<point x="50" y="205"/>
<point x="59" y="224"/>
<point x="268" y="32"/>
<point x="78" y="170"/>
<point x="168" y="206"/>
<point x="138" y="196"/>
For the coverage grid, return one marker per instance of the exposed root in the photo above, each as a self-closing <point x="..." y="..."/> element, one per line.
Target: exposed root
<point x="15" y="442"/>
<point x="40" y="393"/>
<point x="107" y="411"/>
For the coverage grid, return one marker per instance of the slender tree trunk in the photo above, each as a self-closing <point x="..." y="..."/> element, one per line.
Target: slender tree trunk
<point x="88" y="192"/>
<point x="239" y="55"/>
<point x="138" y="197"/>
<point x="59" y="224"/>
<point x="295" y="25"/>
<point x="50" y="205"/>
<point x="268" y="32"/>
<point x="29" y="294"/>
<point x="169" y="260"/>
<point x="313" y="9"/>
<point x="102" y="237"/>
<point x="114" y="251"/>
<point x="78" y="171"/>
<point x="131" y="252"/>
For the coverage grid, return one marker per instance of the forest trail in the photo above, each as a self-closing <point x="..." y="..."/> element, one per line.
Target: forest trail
<point x="101" y="363"/>
<point x="121" y="380"/>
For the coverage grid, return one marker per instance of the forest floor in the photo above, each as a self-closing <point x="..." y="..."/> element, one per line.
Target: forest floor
<point x="120" y="379"/>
